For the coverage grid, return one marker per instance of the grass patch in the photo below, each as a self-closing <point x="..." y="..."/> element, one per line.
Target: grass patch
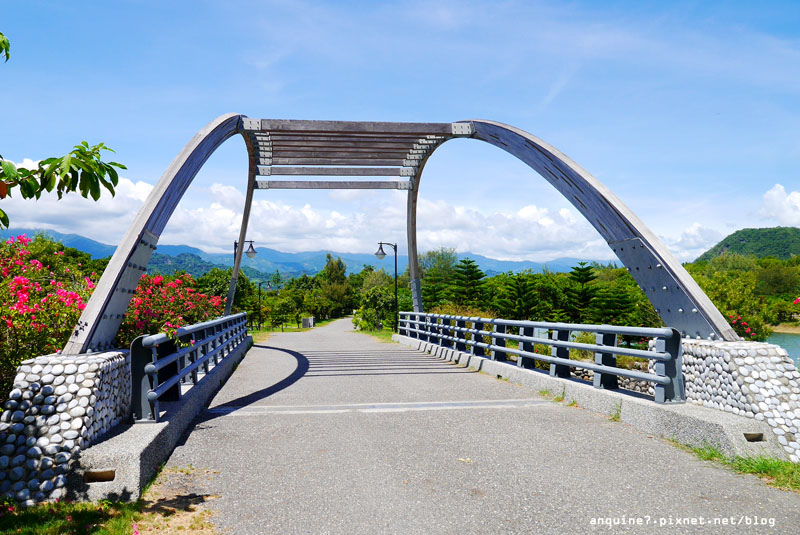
<point x="559" y="398"/>
<point x="545" y="393"/>
<point x="73" y="518"/>
<point x="263" y="334"/>
<point x="617" y="412"/>
<point x="775" y="472"/>
<point x="572" y="403"/>
<point x="384" y="335"/>
<point x="168" y="506"/>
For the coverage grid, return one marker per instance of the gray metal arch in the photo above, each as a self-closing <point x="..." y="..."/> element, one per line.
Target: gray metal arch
<point x="676" y="296"/>
<point x="346" y="148"/>
<point x="100" y="320"/>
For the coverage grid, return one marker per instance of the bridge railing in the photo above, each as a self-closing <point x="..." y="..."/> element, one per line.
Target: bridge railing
<point x="488" y="337"/>
<point x="160" y="367"/>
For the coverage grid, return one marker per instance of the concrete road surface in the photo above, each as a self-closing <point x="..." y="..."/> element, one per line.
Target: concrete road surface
<point x="331" y="431"/>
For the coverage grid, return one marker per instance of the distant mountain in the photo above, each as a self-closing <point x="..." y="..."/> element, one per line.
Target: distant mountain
<point x="94" y="248"/>
<point x="196" y="261"/>
<point x="780" y="242"/>
<point x="194" y="266"/>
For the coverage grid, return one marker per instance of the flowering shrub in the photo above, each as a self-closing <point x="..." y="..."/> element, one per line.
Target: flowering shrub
<point x="163" y="304"/>
<point x="41" y="300"/>
<point x="753" y="330"/>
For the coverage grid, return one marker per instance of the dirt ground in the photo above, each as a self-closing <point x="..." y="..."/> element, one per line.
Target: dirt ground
<point x="172" y="506"/>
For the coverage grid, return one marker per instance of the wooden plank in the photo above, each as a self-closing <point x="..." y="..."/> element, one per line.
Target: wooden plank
<point x="338" y="145"/>
<point x="336" y="161"/>
<point x="392" y="138"/>
<point x="332" y="171"/>
<point x="333" y="184"/>
<point x="339" y="154"/>
<point x="286" y="125"/>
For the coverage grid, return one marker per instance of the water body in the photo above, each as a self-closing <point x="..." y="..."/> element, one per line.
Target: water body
<point x="790" y="342"/>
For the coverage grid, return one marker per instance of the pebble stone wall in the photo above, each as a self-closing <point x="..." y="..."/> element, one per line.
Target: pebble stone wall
<point x="59" y="405"/>
<point x="751" y="379"/>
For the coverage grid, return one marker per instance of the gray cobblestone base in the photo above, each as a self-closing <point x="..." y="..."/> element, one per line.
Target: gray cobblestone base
<point x="60" y="405"/>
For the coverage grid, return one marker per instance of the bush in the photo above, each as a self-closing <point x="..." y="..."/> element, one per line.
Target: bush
<point x="163" y="304"/>
<point x="41" y="300"/>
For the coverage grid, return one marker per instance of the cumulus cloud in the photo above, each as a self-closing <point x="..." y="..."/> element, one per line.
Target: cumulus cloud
<point x="105" y="220"/>
<point x="781" y="206"/>
<point x="693" y="241"/>
<point x="212" y="222"/>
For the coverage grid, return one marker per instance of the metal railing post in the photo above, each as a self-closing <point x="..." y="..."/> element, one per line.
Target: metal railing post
<point x="560" y="370"/>
<point x="461" y="345"/>
<point x="499" y="355"/>
<point x="477" y="338"/>
<point x="673" y="392"/>
<point x="606" y="380"/>
<point x="526" y="345"/>
<point x="141" y="382"/>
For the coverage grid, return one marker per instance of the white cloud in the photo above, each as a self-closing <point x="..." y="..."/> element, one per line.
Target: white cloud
<point x="781" y="206"/>
<point x="531" y="232"/>
<point x="105" y="220"/>
<point x="693" y="241"/>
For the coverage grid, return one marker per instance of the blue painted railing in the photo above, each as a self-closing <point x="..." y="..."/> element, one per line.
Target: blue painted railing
<point x="160" y="366"/>
<point x="453" y="332"/>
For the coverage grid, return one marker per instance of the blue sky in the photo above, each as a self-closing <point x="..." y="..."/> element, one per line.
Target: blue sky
<point x="688" y="111"/>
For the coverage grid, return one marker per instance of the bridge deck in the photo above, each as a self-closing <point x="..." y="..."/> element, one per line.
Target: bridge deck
<point x="330" y="431"/>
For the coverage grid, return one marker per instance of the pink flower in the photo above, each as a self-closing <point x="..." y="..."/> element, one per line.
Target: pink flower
<point x="797" y="300"/>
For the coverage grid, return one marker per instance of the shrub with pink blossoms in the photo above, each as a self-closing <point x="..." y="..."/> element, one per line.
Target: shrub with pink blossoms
<point x="41" y="300"/>
<point x="163" y="304"/>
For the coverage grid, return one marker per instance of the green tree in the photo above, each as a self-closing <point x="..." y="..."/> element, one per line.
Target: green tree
<point x="466" y="288"/>
<point x="518" y="297"/>
<point x="436" y="269"/>
<point x="217" y="282"/>
<point x="334" y="291"/>
<point x="582" y="292"/>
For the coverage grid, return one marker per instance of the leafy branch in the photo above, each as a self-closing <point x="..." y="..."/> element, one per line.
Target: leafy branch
<point x="5" y="47"/>
<point x="80" y="170"/>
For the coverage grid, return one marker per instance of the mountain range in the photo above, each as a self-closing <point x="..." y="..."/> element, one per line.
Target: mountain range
<point x="267" y="261"/>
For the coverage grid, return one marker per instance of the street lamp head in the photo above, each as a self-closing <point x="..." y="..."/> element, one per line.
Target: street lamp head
<point x="251" y="252"/>
<point x="380" y="253"/>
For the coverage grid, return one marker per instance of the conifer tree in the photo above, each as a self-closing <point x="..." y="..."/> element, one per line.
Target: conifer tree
<point x="582" y="292"/>
<point x="466" y="288"/>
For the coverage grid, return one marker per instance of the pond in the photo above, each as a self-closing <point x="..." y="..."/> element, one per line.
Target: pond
<point x="790" y="342"/>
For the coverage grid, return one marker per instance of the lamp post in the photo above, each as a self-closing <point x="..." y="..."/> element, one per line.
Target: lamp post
<point x="250" y="252"/>
<point x="380" y="254"/>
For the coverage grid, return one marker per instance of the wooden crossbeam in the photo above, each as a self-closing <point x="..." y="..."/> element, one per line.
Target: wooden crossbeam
<point x="336" y="161"/>
<point x="331" y="171"/>
<point x="283" y="153"/>
<point x="333" y="184"/>
<point x="354" y="127"/>
<point x="338" y="144"/>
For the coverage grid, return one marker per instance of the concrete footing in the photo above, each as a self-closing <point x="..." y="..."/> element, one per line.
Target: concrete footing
<point x="119" y="467"/>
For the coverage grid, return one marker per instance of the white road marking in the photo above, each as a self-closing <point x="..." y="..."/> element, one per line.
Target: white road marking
<point x="376" y="407"/>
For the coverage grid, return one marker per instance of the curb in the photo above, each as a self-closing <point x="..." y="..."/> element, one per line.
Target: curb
<point x="685" y="423"/>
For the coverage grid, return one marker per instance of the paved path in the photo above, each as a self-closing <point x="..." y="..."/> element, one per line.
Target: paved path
<point x="330" y="431"/>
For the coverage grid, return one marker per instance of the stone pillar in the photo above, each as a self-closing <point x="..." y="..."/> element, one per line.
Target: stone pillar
<point x="59" y="405"/>
<point x="751" y="379"/>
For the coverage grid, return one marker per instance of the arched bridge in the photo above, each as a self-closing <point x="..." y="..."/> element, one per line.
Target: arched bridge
<point x="379" y="150"/>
